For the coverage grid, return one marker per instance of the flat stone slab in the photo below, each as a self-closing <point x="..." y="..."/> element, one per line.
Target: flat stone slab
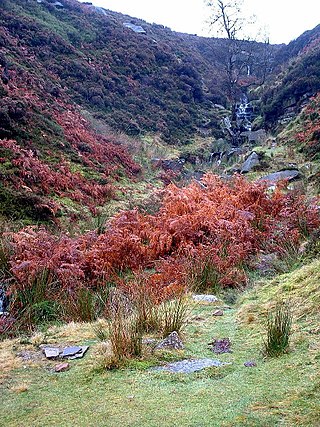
<point x="205" y="298"/>
<point x="189" y="365"/>
<point x="71" y="351"/>
<point x="81" y="353"/>
<point x="51" y="352"/>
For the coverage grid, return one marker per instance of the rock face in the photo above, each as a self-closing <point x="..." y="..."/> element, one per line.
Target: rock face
<point x="190" y="365"/>
<point x="290" y="175"/>
<point x="172" y="341"/>
<point x="258" y="136"/>
<point x="251" y="162"/>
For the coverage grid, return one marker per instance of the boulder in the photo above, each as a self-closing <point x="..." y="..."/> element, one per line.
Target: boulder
<point x="250" y="163"/>
<point x="289" y="174"/>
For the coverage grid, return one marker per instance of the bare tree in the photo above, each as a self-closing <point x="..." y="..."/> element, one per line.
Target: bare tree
<point x="245" y="61"/>
<point x="228" y="21"/>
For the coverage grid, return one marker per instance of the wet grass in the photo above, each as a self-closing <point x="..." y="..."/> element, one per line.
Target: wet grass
<point x="282" y="391"/>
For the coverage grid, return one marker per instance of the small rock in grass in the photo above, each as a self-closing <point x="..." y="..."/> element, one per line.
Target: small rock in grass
<point x="220" y="346"/>
<point x="62" y="367"/>
<point x="250" y="364"/>
<point x="205" y="298"/>
<point x="172" y="341"/>
<point x="217" y="313"/>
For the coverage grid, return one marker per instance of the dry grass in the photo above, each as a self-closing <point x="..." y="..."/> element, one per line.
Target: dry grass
<point x="300" y="287"/>
<point x="72" y="332"/>
<point x="20" y="388"/>
<point x="8" y="360"/>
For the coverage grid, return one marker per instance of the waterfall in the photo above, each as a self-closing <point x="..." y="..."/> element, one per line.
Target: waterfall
<point x="3" y="301"/>
<point x="244" y="114"/>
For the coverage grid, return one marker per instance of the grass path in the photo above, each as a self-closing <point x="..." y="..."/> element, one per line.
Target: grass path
<point x="277" y="392"/>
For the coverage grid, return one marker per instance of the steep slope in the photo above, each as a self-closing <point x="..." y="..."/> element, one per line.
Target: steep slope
<point x="296" y="78"/>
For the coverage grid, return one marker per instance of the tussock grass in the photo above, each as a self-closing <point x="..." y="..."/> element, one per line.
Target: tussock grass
<point x="278" y="330"/>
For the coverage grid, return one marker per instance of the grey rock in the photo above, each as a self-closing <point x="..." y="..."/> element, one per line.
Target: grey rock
<point x="81" y="353"/>
<point x="258" y="136"/>
<point x="220" y="346"/>
<point x="250" y="364"/>
<point x="189" y="365"/>
<point x="172" y="341"/>
<point x="135" y="28"/>
<point x="205" y="298"/>
<point x="290" y="175"/>
<point x="217" y="313"/>
<point x="250" y="163"/>
<point x="71" y="351"/>
<point x="51" y="352"/>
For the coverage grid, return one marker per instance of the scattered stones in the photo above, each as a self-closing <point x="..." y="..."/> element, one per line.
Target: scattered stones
<point x="72" y="352"/>
<point x="62" y="367"/>
<point x="217" y="313"/>
<point x="205" y="298"/>
<point x="172" y="341"/>
<point x="250" y="364"/>
<point x="30" y="356"/>
<point x="220" y="346"/>
<point x="189" y="365"/>
<point x="51" y="352"/>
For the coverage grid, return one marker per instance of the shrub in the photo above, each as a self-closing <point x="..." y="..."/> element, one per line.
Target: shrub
<point x="124" y="333"/>
<point x="174" y="314"/>
<point x="278" y="330"/>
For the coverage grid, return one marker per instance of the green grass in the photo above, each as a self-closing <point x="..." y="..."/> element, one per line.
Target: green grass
<point x="278" y="392"/>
